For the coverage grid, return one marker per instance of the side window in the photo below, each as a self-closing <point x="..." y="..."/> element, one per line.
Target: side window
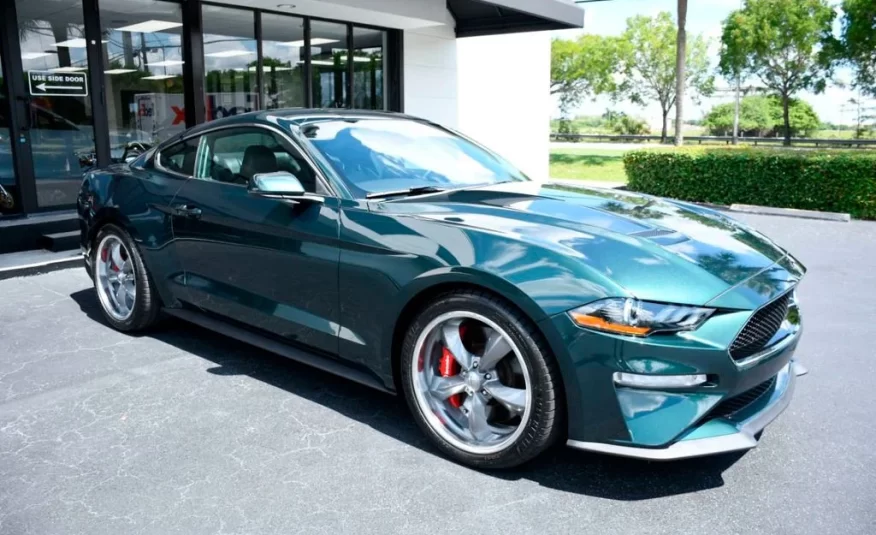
<point x="234" y="155"/>
<point x="180" y="158"/>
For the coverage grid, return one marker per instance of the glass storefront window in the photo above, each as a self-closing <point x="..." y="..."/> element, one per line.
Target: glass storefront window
<point x="230" y="59"/>
<point x="329" y="55"/>
<point x="8" y="184"/>
<point x="368" y="65"/>
<point x="283" y="61"/>
<point x="143" y="64"/>
<point x="61" y="129"/>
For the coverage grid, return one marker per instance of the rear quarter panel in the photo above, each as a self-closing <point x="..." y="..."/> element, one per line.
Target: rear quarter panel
<point x="138" y="201"/>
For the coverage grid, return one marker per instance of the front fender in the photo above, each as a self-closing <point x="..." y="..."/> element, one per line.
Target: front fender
<point x="429" y="283"/>
<point x="138" y="202"/>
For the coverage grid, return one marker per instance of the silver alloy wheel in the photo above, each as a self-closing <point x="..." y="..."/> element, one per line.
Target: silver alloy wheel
<point x="484" y="407"/>
<point x="116" y="280"/>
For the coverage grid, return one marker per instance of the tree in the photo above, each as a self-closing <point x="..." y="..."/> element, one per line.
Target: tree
<point x="648" y="63"/>
<point x="761" y="115"/>
<point x="582" y="67"/>
<point x="680" y="51"/>
<point x="781" y="43"/>
<point x="863" y="113"/>
<point x="623" y="124"/>
<point x="858" y="42"/>
<point x="803" y="119"/>
<point x="755" y="117"/>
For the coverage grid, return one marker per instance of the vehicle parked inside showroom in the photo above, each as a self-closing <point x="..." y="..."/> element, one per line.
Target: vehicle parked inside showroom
<point x="511" y="315"/>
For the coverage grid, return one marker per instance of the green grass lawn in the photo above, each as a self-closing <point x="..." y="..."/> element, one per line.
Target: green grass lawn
<point x="588" y="164"/>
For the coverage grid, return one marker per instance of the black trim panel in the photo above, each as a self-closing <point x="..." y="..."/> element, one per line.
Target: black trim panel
<point x="327" y="364"/>
<point x="476" y="17"/>
<point x="193" y="68"/>
<point x="94" y="49"/>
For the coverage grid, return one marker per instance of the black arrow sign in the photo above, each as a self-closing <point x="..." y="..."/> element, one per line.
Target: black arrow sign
<point x="60" y="84"/>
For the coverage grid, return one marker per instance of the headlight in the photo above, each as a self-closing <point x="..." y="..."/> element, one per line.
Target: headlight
<point x="639" y="318"/>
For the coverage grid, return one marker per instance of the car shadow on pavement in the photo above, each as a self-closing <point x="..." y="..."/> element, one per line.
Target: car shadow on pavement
<point x="560" y="468"/>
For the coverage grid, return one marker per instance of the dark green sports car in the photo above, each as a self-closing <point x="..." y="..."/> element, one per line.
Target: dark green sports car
<point x="511" y="314"/>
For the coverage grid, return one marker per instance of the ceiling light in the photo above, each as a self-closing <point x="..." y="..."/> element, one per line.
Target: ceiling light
<point x="268" y="69"/>
<point x="313" y="42"/>
<point x="72" y="43"/>
<point x="168" y="63"/>
<point x="68" y="69"/>
<point x="229" y="53"/>
<point x="150" y="26"/>
<point x="361" y="59"/>
<point x="34" y="55"/>
<point x="159" y="77"/>
<point x="286" y="6"/>
<point x="321" y="62"/>
<point x="119" y="71"/>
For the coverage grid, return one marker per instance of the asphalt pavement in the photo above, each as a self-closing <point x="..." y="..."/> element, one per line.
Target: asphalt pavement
<point x="186" y="431"/>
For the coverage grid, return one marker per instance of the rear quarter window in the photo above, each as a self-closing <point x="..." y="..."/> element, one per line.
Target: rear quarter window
<point x="180" y="157"/>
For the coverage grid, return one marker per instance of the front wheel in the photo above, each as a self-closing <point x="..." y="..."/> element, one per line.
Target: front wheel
<point x="481" y="382"/>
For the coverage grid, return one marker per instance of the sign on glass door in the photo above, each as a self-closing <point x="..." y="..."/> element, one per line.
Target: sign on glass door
<point x="58" y="84"/>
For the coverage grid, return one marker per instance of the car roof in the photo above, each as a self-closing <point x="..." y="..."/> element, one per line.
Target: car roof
<point x="298" y="114"/>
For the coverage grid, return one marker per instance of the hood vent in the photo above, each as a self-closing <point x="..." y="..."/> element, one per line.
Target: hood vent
<point x="653" y="233"/>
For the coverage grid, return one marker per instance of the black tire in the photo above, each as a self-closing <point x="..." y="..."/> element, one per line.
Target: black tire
<point x="547" y="420"/>
<point x="147" y="305"/>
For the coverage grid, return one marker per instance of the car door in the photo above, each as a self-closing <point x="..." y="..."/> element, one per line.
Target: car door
<point x="265" y="262"/>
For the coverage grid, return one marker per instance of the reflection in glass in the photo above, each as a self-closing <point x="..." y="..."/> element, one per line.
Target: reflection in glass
<point x="51" y="36"/>
<point x="329" y="55"/>
<point x="9" y="203"/>
<point x="368" y="74"/>
<point x="142" y="71"/>
<point x="283" y="61"/>
<point x="230" y="61"/>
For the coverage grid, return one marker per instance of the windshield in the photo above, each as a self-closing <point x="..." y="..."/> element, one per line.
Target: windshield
<point x="379" y="155"/>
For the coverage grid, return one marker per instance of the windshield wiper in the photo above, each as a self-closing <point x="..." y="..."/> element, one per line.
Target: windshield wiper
<point x="419" y="190"/>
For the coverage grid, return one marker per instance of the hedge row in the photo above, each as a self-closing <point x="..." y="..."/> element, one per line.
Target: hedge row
<point x="827" y="181"/>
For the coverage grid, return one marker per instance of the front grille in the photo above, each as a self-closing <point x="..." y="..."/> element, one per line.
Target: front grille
<point x="730" y="406"/>
<point x="760" y="328"/>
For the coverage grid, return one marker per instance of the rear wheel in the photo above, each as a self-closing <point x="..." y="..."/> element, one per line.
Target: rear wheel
<point x="481" y="382"/>
<point x="127" y="298"/>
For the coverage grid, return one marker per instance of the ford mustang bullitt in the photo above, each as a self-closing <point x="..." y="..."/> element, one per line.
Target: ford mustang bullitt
<point x="510" y="314"/>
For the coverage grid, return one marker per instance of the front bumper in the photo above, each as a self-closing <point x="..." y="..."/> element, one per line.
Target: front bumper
<point x="714" y="436"/>
<point x="740" y="398"/>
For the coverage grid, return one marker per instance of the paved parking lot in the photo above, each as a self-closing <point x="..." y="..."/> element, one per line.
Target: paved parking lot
<point x="186" y="431"/>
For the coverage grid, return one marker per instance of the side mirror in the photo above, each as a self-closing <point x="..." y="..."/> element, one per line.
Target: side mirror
<point x="280" y="185"/>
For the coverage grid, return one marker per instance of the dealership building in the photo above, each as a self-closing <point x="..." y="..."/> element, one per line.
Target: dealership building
<point x="87" y="83"/>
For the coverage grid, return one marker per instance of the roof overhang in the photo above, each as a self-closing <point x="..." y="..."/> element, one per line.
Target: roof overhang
<point x="490" y="17"/>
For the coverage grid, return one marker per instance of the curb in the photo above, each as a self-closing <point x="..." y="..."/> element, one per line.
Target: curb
<point x="41" y="267"/>
<point x="790" y="212"/>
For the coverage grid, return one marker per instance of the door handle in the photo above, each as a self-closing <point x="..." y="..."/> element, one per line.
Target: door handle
<point x="187" y="210"/>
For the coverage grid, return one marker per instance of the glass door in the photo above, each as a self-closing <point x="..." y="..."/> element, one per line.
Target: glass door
<point x="59" y="124"/>
<point x="10" y="201"/>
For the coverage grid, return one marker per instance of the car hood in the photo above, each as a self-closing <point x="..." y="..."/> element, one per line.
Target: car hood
<point x="653" y="248"/>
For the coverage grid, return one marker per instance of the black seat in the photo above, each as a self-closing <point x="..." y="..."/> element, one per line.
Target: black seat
<point x="257" y="159"/>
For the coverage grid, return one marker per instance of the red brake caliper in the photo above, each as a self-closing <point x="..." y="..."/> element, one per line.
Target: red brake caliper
<point x="448" y="367"/>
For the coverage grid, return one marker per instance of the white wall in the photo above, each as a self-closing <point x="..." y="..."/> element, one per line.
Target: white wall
<point x="430" y="73"/>
<point x="504" y="96"/>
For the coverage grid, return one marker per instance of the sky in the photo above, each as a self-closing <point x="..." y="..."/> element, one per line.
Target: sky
<point x="703" y="17"/>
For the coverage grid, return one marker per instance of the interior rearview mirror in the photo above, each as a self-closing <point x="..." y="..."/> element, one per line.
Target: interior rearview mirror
<point x="280" y="185"/>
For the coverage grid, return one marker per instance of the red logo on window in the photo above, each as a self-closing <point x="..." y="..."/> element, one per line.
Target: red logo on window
<point x="179" y="114"/>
